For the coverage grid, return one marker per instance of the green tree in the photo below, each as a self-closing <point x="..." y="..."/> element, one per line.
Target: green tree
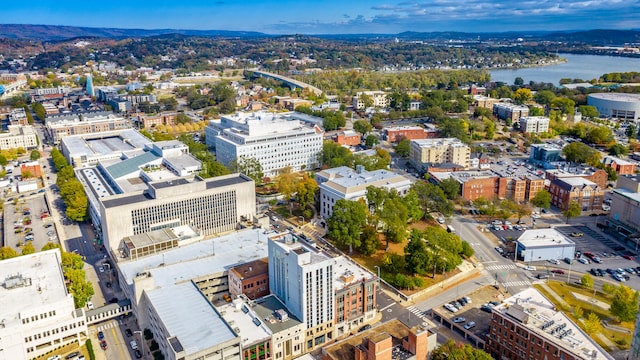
<point x="49" y="246"/>
<point x="573" y="210"/>
<point x="28" y="249"/>
<point x="306" y="189"/>
<point x="367" y="101"/>
<point x="587" y="281"/>
<point x="618" y="149"/>
<point x="599" y="135"/>
<point x="544" y="97"/>
<point x="631" y="131"/>
<point x="581" y="153"/>
<point x="346" y="222"/>
<point x="624" y="305"/>
<point x="578" y="312"/>
<point x="564" y="105"/>
<point x="334" y="155"/>
<point x="403" y="147"/>
<point x="450" y="187"/>
<point x="588" y="111"/>
<point x="592" y="324"/>
<point x="369" y="241"/>
<point x="362" y="126"/>
<point x="416" y="254"/>
<point x="371" y="140"/>
<point x="489" y="129"/>
<point x="451" y="350"/>
<point x="7" y="253"/>
<point x="286" y="183"/>
<point x="249" y="166"/>
<point x="394" y="216"/>
<point x="39" y="110"/>
<point x="536" y="111"/>
<point x="611" y="173"/>
<point x="432" y="198"/>
<point x="608" y="288"/>
<point x="35" y="155"/>
<point x="542" y="199"/>
<point x="3" y="160"/>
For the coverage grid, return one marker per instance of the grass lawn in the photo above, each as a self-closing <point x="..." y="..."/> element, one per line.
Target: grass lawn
<point x="565" y="291"/>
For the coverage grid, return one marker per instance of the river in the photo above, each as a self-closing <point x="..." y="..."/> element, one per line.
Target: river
<point x="585" y="67"/>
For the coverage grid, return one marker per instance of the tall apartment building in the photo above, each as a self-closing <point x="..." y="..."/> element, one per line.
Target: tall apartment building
<point x="18" y="136"/>
<point x="346" y="183"/>
<point x="38" y="313"/>
<point x="59" y="126"/>
<point x="303" y="278"/>
<point x="274" y="140"/>
<point x="528" y="326"/>
<point x="625" y="205"/>
<point x="439" y="151"/>
<point x="510" y="111"/>
<point x="566" y="190"/>
<point x="210" y="206"/>
<point x="355" y="296"/>
<point x="379" y="98"/>
<point x="534" y="124"/>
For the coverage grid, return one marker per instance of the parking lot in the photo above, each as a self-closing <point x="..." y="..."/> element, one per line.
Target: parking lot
<point x="27" y="220"/>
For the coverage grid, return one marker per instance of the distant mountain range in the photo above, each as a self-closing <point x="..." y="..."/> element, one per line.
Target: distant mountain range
<point x="59" y="33"/>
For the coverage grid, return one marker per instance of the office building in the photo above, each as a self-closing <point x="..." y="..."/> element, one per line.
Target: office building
<point x="38" y="313"/>
<point x="209" y="206"/>
<point x="59" y="126"/>
<point x="439" y="151"/>
<point x="544" y="244"/>
<point x="598" y="176"/>
<point x="534" y="124"/>
<point x="396" y="133"/>
<point x="89" y="149"/>
<point x="346" y="183"/>
<point x="390" y="340"/>
<point x="89" y="86"/>
<point x="379" y="99"/>
<point x="625" y="206"/>
<point x="620" y="106"/>
<point x="303" y="278"/>
<point x="274" y="140"/>
<point x="355" y="296"/>
<point x="545" y="154"/>
<point x="508" y="111"/>
<point x="18" y="136"/>
<point x="529" y="326"/>
<point x="569" y="189"/>
<point x="348" y="138"/>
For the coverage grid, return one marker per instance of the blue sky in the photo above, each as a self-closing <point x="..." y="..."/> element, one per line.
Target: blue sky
<point x="330" y="16"/>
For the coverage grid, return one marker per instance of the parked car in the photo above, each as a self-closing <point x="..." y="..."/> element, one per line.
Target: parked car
<point x="103" y="344"/>
<point x="450" y="307"/>
<point x="470" y="325"/>
<point x="459" y="320"/>
<point x="128" y="332"/>
<point x="554" y="261"/>
<point x="619" y="277"/>
<point x="365" y="327"/>
<point x="583" y="260"/>
<point x="138" y="354"/>
<point x="577" y="234"/>
<point x="628" y="257"/>
<point x="134" y="345"/>
<point x="100" y="335"/>
<point x="72" y="355"/>
<point x="557" y="271"/>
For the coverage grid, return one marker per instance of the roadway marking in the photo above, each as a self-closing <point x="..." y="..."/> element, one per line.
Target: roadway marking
<point x="386" y="307"/>
<point x="490" y="262"/>
<point x="501" y="267"/>
<point x="118" y="344"/>
<point x="516" y="283"/>
<point x="416" y="311"/>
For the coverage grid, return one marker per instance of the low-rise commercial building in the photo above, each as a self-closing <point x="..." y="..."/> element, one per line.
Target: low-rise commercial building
<point x="250" y="279"/>
<point x="598" y="176"/>
<point x="439" y="151"/>
<point x="346" y="183"/>
<point x="355" y="296"/>
<point x="544" y="244"/>
<point x="545" y="154"/>
<point x="38" y="313"/>
<point x="529" y="326"/>
<point x="576" y="189"/>
<point x="59" y="126"/>
<point x="396" y="133"/>
<point x="348" y="138"/>
<point x="621" y="167"/>
<point x="625" y="206"/>
<point x="18" y="136"/>
<point x="484" y="101"/>
<point x="379" y="99"/>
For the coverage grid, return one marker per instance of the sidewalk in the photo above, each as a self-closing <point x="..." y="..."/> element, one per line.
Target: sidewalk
<point x="555" y="296"/>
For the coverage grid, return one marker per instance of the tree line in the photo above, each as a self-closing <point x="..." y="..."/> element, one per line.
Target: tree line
<point x="71" y="190"/>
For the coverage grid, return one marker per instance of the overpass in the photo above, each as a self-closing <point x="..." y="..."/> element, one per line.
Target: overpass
<point x="292" y="83"/>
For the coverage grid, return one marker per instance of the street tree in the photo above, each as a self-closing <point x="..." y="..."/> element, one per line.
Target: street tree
<point x="450" y="187"/>
<point x="587" y="281"/>
<point x="346" y="222"/>
<point x="28" y="249"/>
<point x="624" y="305"/>
<point x="403" y="147"/>
<point x="7" y="253"/>
<point x="371" y="140"/>
<point x="572" y="211"/>
<point x="362" y="126"/>
<point x="542" y="199"/>
<point x="452" y="350"/>
<point x="35" y="155"/>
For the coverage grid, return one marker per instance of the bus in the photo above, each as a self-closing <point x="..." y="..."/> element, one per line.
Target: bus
<point x="451" y="229"/>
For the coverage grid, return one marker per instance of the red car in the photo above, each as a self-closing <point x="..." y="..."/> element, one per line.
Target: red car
<point x="628" y="257"/>
<point x="557" y="271"/>
<point x="103" y="344"/>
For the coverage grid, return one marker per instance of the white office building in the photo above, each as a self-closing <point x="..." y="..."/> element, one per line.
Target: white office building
<point x="544" y="244"/>
<point x="534" y="124"/>
<point x="18" y="136"/>
<point x="303" y="278"/>
<point x="379" y="99"/>
<point x="274" y="140"/>
<point x="346" y="183"/>
<point x="37" y="312"/>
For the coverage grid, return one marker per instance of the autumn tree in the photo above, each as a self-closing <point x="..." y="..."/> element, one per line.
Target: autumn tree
<point x="362" y="126"/>
<point x="452" y="350"/>
<point x="28" y="249"/>
<point x="522" y="95"/>
<point x="306" y="189"/>
<point x="592" y="324"/>
<point x="286" y="183"/>
<point x="7" y="253"/>
<point x="587" y="281"/>
<point x="624" y="305"/>
<point x="572" y="211"/>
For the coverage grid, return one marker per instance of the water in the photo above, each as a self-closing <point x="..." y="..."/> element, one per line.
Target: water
<point x="585" y="67"/>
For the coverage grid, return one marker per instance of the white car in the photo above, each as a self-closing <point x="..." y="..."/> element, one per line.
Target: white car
<point x="554" y="261"/>
<point x="450" y="307"/>
<point x="134" y="345"/>
<point x="470" y="325"/>
<point x="584" y="260"/>
<point x="90" y="305"/>
<point x="530" y="268"/>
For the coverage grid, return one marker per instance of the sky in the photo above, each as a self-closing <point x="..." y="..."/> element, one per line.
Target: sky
<point x="330" y="16"/>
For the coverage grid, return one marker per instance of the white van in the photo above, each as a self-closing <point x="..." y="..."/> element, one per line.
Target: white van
<point x="134" y="345"/>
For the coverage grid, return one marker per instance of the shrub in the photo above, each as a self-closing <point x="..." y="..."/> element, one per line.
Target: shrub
<point x="92" y="355"/>
<point x="154" y="346"/>
<point x="148" y="335"/>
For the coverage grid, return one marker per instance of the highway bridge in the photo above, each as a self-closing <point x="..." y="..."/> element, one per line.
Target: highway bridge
<point x="292" y="83"/>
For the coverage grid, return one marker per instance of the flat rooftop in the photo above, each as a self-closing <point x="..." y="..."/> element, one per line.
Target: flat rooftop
<point x="346" y="272"/>
<point x="266" y="308"/>
<point x="209" y="256"/>
<point x="543" y="238"/>
<point x="189" y="317"/>
<point x="105" y="143"/>
<point x="245" y="322"/>
<point x="30" y="282"/>
<point x="349" y="182"/>
<point x="539" y="312"/>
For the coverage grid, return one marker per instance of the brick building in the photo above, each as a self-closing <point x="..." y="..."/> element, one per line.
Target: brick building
<point x="598" y="176"/>
<point x="355" y="296"/>
<point x="528" y="326"/>
<point x="510" y="111"/>
<point x="250" y="279"/>
<point x="396" y="133"/>
<point x="587" y="193"/>
<point x="348" y="138"/>
<point x="150" y="121"/>
<point x="484" y="101"/>
<point x="621" y="167"/>
<point x="488" y="184"/>
<point x="32" y="167"/>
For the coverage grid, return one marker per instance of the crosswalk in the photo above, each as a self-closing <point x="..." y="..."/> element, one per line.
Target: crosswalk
<point x="416" y="311"/>
<point x="500" y="267"/>
<point x="107" y="325"/>
<point x="516" y="283"/>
